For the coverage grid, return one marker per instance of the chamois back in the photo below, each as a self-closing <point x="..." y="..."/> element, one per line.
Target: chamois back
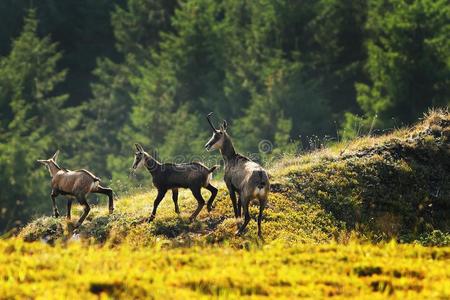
<point x="95" y="178"/>
<point x="78" y="182"/>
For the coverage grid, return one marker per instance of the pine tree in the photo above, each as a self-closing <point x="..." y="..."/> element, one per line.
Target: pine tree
<point x="36" y="124"/>
<point x="182" y="69"/>
<point x="334" y="53"/>
<point x="137" y="29"/>
<point x="273" y="70"/>
<point x="408" y="63"/>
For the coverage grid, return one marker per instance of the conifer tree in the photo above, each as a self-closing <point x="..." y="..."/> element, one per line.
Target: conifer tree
<point x="408" y="61"/>
<point x="36" y="123"/>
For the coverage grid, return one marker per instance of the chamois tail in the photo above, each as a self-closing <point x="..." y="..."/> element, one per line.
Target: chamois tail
<point x="213" y="168"/>
<point x="261" y="184"/>
<point x="209" y="176"/>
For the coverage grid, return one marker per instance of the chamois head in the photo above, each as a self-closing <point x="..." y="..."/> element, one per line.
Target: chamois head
<point x="139" y="157"/>
<point x="218" y="136"/>
<point x="49" y="162"/>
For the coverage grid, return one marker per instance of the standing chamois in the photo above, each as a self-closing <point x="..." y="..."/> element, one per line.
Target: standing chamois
<point x="242" y="176"/>
<point x="168" y="176"/>
<point x="75" y="184"/>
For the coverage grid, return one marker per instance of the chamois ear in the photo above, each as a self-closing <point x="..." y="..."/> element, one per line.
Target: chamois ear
<point x="224" y="125"/>
<point x="55" y="156"/>
<point x="139" y="147"/>
<point x="42" y="161"/>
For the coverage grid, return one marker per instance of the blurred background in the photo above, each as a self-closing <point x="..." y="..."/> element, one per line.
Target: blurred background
<point x="92" y="77"/>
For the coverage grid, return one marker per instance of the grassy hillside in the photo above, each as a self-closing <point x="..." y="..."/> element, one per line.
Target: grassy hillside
<point x="393" y="186"/>
<point x="396" y="185"/>
<point x="346" y="221"/>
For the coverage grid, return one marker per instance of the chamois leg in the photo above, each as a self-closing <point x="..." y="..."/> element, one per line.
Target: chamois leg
<point x="175" y="200"/>
<point x="108" y="192"/>
<point x="69" y="208"/>
<point x="87" y="208"/>
<point x="200" y="203"/>
<point x="262" y="205"/>
<point x="245" y="205"/>
<point x="239" y="206"/>
<point x="232" y="192"/>
<point x="213" y="191"/>
<point x="159" y="197"/>
<point x="55" y="208"/>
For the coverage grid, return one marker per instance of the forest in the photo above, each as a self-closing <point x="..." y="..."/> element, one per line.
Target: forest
<point x="91" y="78"/>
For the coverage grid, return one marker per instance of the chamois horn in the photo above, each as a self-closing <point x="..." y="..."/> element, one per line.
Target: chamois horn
<point x="208" y="117"/>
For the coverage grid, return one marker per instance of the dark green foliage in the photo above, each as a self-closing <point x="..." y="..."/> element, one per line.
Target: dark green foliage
<point x="408" y="61"/>
<point x="81" y="28"/>
<point x="137" y="31"/>
<point x="137" y="27"/>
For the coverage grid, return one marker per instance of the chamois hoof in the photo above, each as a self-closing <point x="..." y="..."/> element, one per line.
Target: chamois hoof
<point x="111" y="210"/>
<point x="56" y="214"/>
<point x="150" y="219"/>
<point x="209" y="208"/>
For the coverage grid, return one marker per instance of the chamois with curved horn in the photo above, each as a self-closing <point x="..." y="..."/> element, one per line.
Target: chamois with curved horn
<point x="75" y="184"/>
<point x="242" y="176"/>
<point x="169" y="176"/>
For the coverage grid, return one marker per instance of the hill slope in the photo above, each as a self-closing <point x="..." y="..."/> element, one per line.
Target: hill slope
<point x="324" y="208"/>
<point x="395" y="185"/>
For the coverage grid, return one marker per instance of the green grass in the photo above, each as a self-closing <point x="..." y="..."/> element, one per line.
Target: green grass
<point x="348" y="221"/>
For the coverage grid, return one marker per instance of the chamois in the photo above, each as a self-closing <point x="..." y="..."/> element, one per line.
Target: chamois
<point x="169" y="176"/>
<point x="75" y="184"/>
<point x="242" y="176"/>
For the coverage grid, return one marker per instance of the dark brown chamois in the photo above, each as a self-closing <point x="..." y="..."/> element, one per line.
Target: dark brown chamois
<point x="242" y="176"/>
<point x="77" y="184"/>
<point x="168" y="176"/>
